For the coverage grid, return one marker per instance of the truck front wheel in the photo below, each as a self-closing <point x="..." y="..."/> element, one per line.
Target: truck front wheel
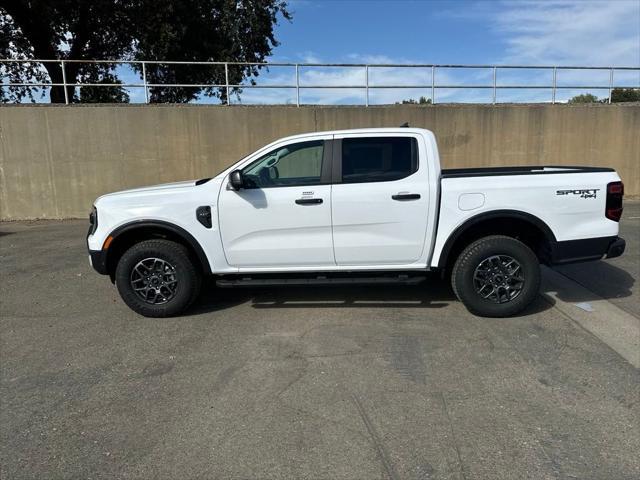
<point x="496" y="276"/>
<point x="157" y="278"/>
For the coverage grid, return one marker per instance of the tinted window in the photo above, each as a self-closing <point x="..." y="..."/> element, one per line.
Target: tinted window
<point x="379" y="159"/>
<point x="293" y="165"/>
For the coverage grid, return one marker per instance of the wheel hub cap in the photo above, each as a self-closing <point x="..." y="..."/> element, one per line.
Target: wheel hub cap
<point x="498" y="278"/>
<point x="154" y="280"/>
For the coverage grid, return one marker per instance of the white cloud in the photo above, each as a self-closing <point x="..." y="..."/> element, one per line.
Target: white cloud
<point x="552" y="32"/>
<point x="346" y="77"/>
<point x="560" y="33"/>
<point x="570" y="32"/>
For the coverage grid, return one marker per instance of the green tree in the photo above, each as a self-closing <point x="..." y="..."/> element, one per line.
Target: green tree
<point x="619" y="95"/>
<point x="411" y="101"/>
<point x="184" y="30"/>
<point x="584" y="98"/>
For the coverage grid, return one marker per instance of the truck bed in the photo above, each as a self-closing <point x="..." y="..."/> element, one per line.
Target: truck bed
<point x="526" y="170"/>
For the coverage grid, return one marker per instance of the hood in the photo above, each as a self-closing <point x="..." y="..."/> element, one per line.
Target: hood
<point x="146" y="196"/>
<point x="152" y="188"/>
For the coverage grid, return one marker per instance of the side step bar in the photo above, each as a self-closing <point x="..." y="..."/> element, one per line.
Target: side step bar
<point x="319" y="280"/>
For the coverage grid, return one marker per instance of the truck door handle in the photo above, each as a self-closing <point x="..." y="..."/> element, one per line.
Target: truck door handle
<point x="406" y="196"/>
<point x="308" y="201"/>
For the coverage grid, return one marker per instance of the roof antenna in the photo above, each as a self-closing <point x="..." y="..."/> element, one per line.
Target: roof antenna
<point x="405" y="125"/>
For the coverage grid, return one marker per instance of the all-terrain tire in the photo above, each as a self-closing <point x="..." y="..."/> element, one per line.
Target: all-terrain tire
<point x="184" y="276"/>
<point x="496" y="247"/>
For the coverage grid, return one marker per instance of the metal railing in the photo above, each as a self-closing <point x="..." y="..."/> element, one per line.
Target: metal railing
<point x="298" y="86"/>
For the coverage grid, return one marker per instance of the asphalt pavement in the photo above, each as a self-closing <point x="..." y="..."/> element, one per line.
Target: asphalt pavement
<point x="349" y="382"/>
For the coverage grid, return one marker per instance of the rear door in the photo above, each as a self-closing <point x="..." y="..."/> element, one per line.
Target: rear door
<point x="282" y="216"/>
<point x="379" y="199"/>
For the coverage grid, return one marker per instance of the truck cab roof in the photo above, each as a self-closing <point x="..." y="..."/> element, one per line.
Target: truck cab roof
<point x="389" y="130"/>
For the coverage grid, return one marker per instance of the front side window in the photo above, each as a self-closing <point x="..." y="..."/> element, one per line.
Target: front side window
<point x="378" y="159"/>
<point x="289" y="166"/>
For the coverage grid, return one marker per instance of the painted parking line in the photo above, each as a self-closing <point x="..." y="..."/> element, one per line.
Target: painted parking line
<point x="615" y="327"/>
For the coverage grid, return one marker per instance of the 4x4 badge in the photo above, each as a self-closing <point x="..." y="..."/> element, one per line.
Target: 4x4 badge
<point x="583" y="193"/>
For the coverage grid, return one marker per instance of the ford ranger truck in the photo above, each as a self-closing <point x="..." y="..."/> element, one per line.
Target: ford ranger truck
<point x="355" y="206"/>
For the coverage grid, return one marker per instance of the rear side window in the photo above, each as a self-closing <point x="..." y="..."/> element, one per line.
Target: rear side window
<point x="378" y="159"/>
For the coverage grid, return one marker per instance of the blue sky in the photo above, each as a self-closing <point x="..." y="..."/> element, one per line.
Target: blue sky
<point x="549" y="32"/>
<point x="464" y="31"/>
<point x="495" y="32"/>
<point x="348" y="30"/>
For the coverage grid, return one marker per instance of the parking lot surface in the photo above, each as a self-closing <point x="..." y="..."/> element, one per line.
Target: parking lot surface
<point x="349" y="382"/>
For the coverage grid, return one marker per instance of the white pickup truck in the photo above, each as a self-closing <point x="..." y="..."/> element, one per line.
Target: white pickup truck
<point x="367" y="205"/>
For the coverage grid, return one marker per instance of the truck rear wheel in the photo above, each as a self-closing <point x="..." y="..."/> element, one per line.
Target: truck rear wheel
<point x="496" y="276"/>
<point x="157" y="278"/>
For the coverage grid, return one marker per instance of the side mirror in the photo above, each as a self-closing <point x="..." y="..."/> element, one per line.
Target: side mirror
<point x="235" y="179"/>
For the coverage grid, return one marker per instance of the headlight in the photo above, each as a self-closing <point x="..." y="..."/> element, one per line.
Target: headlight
<point x="93" y="220"/>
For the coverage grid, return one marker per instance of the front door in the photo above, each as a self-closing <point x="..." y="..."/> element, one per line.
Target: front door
<point x="380" y="199"/>
<point x="282" y="215"/>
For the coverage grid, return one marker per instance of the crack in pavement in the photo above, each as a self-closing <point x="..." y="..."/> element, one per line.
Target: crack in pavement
<point x="453" y="435"/>
<point x="383" y="455"/>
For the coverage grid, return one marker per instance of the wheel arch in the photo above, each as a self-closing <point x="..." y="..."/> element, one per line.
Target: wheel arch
<point x="530" y="229"/>
<point x="124" y="236"/>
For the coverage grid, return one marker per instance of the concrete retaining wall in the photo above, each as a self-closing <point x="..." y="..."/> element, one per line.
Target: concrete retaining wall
<point x="55" y="160"/>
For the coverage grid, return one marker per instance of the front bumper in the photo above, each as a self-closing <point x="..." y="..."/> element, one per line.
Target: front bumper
<point x="587" y="249"/>
<point x="98" y="260"/>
